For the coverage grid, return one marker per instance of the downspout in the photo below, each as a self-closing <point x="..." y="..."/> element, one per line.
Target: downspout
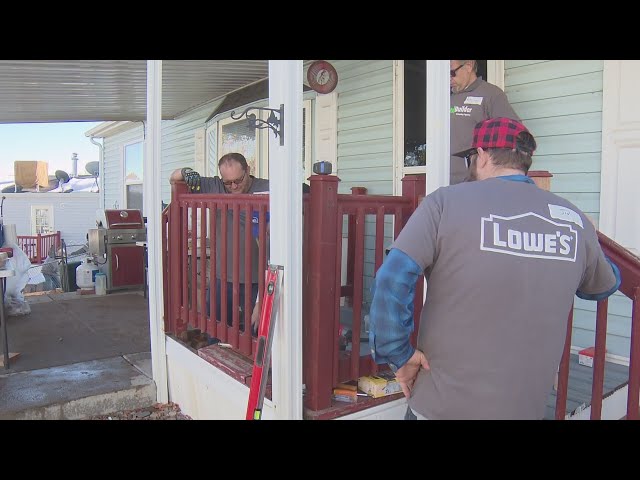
<point x="100" y="172"/>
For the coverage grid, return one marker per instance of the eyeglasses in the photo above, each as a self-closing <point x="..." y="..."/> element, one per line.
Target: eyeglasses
<point x="235" y="182"/>
<point x="469" y="157"/>
<point x="453" y="72"/>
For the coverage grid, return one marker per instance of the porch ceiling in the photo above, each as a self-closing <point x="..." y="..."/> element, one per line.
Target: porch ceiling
<point x="113" y="90"/>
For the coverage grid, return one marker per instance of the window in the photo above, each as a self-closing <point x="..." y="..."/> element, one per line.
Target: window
<point x="133" y="159"/>
<point x="42" y="219"/>
<point x="236" y="136"/>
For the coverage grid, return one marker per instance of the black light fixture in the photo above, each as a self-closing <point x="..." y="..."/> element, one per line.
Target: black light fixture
<point x="275" y="123"/>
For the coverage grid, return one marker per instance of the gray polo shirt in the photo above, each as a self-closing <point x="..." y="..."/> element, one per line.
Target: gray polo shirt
<point x="214" y="185"/>
<point x="503" y="260"/>
<point x="479" y="101"/>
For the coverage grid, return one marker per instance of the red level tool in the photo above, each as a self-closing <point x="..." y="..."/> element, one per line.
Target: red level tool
<point x="262" y="360"/>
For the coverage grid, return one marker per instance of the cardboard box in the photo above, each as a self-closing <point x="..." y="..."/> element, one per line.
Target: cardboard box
<point x="379" y="385"/>
<point x="585" y="356"/>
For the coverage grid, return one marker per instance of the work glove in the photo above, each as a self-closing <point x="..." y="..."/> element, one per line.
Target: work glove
<point x="191" y="178"/>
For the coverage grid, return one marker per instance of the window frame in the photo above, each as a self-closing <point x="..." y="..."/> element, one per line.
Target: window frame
<point x="34" y="222"/>
<point x="125" y="182"/>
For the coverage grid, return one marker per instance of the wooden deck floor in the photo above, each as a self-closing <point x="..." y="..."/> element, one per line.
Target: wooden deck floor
<point x="580" y="383"/>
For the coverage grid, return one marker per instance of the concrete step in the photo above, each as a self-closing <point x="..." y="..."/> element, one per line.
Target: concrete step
<point x="79" y="390"/>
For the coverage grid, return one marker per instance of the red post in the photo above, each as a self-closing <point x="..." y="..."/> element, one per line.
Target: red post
<point x="351" y="246"/>
<point x="175" y="250"/>
<point x="414" y="187"/>
<point x="319" y="335"/>
<point x="39" y="248"/>
<point x="542" y="178"/>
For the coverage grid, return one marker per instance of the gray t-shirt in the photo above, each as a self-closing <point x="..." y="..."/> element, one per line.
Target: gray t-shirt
<point x="503" y="260"/>
<point x="214" y="185"/>
<point x="479" y="101"/>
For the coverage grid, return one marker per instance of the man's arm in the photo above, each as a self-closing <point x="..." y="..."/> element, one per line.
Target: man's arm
<point x="391" y="315"/>
<point x="176" y="176"/>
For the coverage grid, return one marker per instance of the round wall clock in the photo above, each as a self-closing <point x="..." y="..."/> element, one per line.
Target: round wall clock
<point x="322" y="77"/>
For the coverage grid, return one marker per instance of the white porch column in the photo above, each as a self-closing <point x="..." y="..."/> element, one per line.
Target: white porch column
<point x="152" y="197"/>
<point x="438" y="106"/>
<point x="285" y="193"/>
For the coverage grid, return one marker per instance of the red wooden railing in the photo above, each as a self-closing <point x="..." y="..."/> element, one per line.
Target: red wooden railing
<point x="629" y="266"/>
<point x="36" y="247"/>
<point x="190" y="220"/>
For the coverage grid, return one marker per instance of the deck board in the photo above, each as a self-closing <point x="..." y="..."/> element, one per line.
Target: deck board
<point x="580" y="385"/>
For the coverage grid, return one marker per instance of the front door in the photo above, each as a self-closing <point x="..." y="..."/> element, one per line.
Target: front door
<point x="619" y="195"/>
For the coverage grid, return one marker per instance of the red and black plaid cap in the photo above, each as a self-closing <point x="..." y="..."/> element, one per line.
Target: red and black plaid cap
<point x="498" y="132"/>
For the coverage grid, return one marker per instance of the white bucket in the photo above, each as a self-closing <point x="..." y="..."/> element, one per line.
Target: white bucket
<point x="101" y="283"/>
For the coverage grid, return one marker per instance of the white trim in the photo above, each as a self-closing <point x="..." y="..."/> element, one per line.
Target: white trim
<point x="438" y="124"/>
<point x="609" y="156"/>
<point x="308" y="144"/>
<point x="152" y="196"/>
<point x="107" y="129"/>
<point x="325" y="125"/>
<point x="285" y="204"/>
<point x="495" y="73"/>
<point x="398" y="126"/>
<point x="49" y="195"/>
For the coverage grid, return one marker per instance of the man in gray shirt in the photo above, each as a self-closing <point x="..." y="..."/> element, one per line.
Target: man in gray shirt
<point x="235" y="178"/>
<point x="472" y="100"/>
<point x="503" y="260"/>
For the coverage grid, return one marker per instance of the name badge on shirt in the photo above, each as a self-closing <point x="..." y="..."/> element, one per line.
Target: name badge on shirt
<point x="564" y="213"/>
<point x="473" y="100"/>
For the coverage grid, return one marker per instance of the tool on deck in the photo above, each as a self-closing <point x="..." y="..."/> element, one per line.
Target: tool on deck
<point x="262" y="360"/>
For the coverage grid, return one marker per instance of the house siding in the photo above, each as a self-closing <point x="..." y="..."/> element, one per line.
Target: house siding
<point x="365" y="142"/>
<point x="113" y="167"/>
<point x="73" y="213"/>
<point x="560" y="101"/>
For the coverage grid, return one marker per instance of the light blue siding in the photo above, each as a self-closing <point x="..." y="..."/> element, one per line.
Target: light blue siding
<point x="365" y="140"/>
<point x="560" y="101"/>
<point x="113" y="168"/>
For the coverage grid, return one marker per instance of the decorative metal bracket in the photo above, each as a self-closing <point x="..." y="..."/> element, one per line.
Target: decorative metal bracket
<point x="276" y="124"/>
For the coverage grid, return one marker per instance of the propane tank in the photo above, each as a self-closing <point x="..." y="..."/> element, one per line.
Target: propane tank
<point x="86" y="274"/>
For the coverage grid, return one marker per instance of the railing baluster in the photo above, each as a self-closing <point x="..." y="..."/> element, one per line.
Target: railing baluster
<point x="599" y="359"/>
<point x="563" y="371"/>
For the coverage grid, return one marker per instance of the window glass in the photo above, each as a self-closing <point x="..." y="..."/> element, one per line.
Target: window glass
<point x="134" y="196"/>
<point x="133" y="163"/>
<point x="238" y="137"/>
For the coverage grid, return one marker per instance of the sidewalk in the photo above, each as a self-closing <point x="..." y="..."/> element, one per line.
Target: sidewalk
<point x="79" y="357"/>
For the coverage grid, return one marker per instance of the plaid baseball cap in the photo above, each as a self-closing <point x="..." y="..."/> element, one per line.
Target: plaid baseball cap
<point x="498" y="132"/>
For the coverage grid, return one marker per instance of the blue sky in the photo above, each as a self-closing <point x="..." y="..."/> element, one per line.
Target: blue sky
<point x="53" y="143"/>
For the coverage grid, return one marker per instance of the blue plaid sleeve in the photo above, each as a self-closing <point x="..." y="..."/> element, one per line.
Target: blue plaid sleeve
<point x="391" y="314"/>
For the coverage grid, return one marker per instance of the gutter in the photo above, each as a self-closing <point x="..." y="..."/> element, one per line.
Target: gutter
<point x="100" y="171"/>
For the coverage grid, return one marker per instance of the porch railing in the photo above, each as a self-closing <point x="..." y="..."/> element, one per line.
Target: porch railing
<point x="188" y="251"/>
<point x="629" y="266"/>
<point x="37" y="247"/>
<point x="366" y="223"/>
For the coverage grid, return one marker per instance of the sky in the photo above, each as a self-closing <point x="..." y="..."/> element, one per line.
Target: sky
<point x="53" y="143"/>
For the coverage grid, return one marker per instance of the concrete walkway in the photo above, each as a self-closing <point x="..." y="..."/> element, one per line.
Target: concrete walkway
<point x="79" y="356"/>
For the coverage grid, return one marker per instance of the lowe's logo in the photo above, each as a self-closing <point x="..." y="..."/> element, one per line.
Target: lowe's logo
<point x="462" y="109"/>
<point x="529" y="235"/>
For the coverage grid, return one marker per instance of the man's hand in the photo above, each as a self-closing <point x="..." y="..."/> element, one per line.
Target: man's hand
<point x="255" y="318"/>
<point x="191" y="178"/>
<point x="406" y="375"/>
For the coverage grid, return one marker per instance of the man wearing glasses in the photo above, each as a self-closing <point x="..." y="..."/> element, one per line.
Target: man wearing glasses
<point x="472" y="100"/>
<point x="235" y="178"/>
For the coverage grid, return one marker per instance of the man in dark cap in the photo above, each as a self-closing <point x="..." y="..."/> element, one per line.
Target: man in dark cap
<point x="503" y="260"/>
